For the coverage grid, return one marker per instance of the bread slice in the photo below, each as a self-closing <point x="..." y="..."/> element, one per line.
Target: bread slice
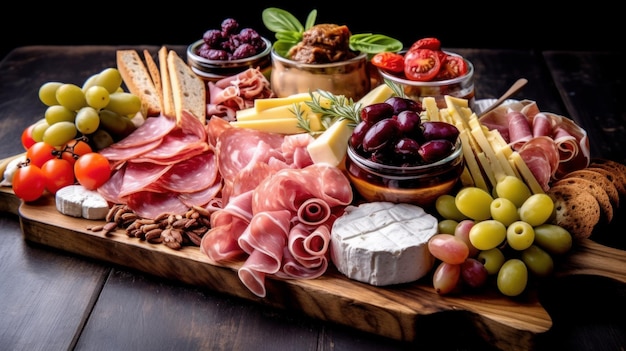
<point x="155" y="74"/>
<point x="138" y="81"/>
<point x="617" y="182"/>
<point x="168" y="98"/>
<point x="576" y="209"/>
<point x="616" y="168"/>
<point x="599" y="179"/>
<point x="188" y="90"/>
<point x="596" y="190"/>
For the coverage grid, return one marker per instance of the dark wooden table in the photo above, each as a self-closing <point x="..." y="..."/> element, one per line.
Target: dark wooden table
<point x="54" y="300"/>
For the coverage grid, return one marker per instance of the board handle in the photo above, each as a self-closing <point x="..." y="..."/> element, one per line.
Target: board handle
<point x="589" y="257"/>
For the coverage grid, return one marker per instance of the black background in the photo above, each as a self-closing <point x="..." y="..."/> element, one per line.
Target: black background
<point x="515" y="25"/>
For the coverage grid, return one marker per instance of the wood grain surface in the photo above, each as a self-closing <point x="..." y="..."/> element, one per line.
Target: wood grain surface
<point x="387" y="311"/>
<point x="55" y="299"/>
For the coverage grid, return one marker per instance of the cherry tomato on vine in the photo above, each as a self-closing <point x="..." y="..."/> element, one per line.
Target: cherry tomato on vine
<point x="39" y="153"/>
<point x="27" y="137"/>
<point x="421" y="64"/>
<point x="29" y="182"/>
<point x="59" y="173"/>
<point x="74" y="149"/>
<point x="452" y="67"/>
<point x="92" y="170"/>
<point x="389" y="61"/>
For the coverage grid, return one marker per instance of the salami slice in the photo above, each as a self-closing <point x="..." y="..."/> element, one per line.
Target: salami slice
<point x="191" y="175"/>
<point x="148" y="204"/>
<point x="153" y="128"/>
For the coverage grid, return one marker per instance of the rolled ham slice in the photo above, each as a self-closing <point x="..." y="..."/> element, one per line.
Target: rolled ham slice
<point x="551" y="145"/>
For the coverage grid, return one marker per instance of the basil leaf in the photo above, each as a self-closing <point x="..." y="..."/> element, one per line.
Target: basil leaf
<point x="278" y="20"/>
<point x="374" y="43"/>
<point x="310" y="20"/>
<point x="289" y="36"/>
<point x="281" y="47"/>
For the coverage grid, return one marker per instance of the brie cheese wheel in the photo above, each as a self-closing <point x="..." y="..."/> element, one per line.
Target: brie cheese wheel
<point x="77" y="201"/>
<point x="383" y="243"/>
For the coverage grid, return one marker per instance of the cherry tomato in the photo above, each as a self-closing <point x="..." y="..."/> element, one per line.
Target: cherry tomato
<point x="421" y="64"/>
<point x="39" y="153"/>
<point x="27" y="137"/>
<point x="74" y="149"/>
<point x="59" y="173"/>
<point x="426" y="43"/>
<point x="92" y="170"/>
<point x="452" y="67"/>
<point x="29" y="182"/>
<point x="389" y="61"/>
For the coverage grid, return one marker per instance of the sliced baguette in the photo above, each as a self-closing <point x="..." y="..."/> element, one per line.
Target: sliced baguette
<point x="166" y="82"/>
<point x="188" y="90"/>
<point x="155" y="74"/>
<point x="138" y="81"/>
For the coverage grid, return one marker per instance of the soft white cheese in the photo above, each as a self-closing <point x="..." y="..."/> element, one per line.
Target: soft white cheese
<point x="382" y="243"/>
<point x="77" y="201"/>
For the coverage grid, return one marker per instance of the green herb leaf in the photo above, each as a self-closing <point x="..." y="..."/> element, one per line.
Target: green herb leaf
<point x="374" y="43"/>
<point x="395" y="87"/>
<point x="282" y="47"/>
<point x="289" y="36"/>
<point x="303" y="122"/>
<point x="310" y="20"/>
<point x="340" y="108"/>
<point x="279" y="20"/>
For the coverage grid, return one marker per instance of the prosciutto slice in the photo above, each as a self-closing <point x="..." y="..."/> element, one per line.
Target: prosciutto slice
<point x="551" y="145"/>
<point x="283" y="228"/>
<point x="237" y="92"/>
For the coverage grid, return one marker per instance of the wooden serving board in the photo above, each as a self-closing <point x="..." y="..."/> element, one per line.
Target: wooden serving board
<point x="394" y="312"/>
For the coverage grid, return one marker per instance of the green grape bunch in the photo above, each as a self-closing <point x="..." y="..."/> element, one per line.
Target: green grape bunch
<point x="100" y="110"/>
<point x="510" y="232"/>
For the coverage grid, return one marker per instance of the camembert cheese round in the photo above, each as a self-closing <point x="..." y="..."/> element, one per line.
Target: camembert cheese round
<point x="383" y="243"/>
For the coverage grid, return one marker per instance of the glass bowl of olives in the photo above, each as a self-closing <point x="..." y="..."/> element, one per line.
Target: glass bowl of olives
<point x="395" y="156"/>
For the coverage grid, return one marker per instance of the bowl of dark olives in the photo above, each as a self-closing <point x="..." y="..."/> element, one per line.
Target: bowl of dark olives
<point x="393" y="155"/>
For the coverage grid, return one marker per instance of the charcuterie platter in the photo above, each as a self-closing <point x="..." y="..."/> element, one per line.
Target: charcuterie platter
<point x="397" y="311"/>
<point x="393" y="312"/>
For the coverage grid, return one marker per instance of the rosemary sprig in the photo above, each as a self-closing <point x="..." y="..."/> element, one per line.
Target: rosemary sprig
<point x="303" y="122"/>
<point x="334" y="108"/>
<point x="395" y="87"/>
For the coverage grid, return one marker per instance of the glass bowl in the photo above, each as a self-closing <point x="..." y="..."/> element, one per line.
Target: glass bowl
<point x="420" y="185"/>
<point x="460" y="87"/>
<point x="214" y="70"/>
<point x="349" y="78"/>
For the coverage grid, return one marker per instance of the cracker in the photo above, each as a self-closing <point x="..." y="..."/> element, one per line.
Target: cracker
<point x="610" y="175"/>
<point x="576" y="209"/>
<point x="606" y="207"/>
<point x="618" y="170"/>
<point x="599" y="179"/>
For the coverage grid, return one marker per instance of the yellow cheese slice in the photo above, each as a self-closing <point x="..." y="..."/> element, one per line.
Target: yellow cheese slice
<point x="488" y="169"/>
<point x="432" y="111"/>
<point x="527" y="175"/>
<point x="275" y="125"/>
<point x="332" y="145"/>
<point x="264" y="104"/>
<point x="282" y="111"/>
<point x="471" y="162"/>
<point x="376" y="95"/>
<point x="466" y="177"/>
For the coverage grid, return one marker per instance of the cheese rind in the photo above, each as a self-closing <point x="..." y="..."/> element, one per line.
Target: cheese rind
<point x="382" y="243"/>
<point x="77" y="201"/>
